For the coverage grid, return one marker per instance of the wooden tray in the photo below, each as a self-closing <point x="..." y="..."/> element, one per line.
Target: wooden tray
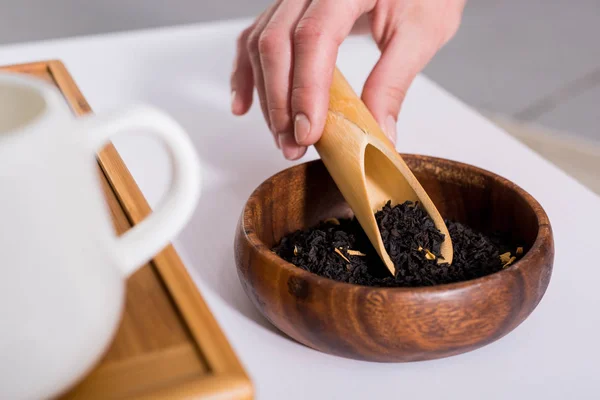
<point x="168" y="345"/>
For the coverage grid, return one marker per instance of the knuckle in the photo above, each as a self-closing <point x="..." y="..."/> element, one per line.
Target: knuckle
<point x="277" y="109"/>
<point x="300" y="96"/>
<point x="243" y="37"/>
<point x="396" y="93"/>
<point x="299" y="92"/>
<point x="280" y="118"/>
<point x="353" y="10"/>
<point x="309" y="29"/>
<point x="252" y="42"/>
<point x="270" y="41"/>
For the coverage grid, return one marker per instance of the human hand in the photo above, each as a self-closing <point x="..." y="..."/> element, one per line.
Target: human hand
<point x="289" y="55"/>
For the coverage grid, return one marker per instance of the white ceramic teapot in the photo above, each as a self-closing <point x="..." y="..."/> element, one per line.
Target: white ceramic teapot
<point x="62" y="267"/>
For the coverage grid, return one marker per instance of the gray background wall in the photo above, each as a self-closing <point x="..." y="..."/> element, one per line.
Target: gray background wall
<point x="536" y="61"/>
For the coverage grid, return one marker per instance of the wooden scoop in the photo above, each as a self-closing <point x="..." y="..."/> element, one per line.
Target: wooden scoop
<point x="367" y="168"/>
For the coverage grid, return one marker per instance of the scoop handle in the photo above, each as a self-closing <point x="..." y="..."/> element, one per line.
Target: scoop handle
<point x="366" y="167"/>
<point x="343" y="100"/>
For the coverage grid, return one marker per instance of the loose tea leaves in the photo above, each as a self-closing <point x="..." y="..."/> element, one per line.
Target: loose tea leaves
<point x="332" y="221"/>
<point x="356" y="253"/>
<point x="340" y="250"/>
<point x="341" y="254"/>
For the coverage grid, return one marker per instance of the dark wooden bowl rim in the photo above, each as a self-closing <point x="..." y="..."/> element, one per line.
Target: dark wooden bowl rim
<point x="542" y="220"/>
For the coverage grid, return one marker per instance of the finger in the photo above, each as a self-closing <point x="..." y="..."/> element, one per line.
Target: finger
<point x="405" y="55"/>
<point x="253" y="51"/>
<point x="317" y="37"/>
<point x="275" y="47"/>
<point x="362" y="25"/>
<point x="242" y="81"/>
<point x="291" y="150"/>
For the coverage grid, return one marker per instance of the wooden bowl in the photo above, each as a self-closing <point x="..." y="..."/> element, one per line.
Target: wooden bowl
<point x="393" y="324"/>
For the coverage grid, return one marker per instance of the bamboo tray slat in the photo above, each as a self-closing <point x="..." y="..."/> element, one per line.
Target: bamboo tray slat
<point x="168" y="345"/>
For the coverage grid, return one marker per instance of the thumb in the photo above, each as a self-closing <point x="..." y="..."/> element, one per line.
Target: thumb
<point x="386" y="87"/>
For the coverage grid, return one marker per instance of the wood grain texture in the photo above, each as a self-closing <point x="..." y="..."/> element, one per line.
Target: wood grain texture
<point x="366" y="167"/>
<point x="148" y="308"/>
<point x="393" y="324"/>
<point x="168" y="345"/>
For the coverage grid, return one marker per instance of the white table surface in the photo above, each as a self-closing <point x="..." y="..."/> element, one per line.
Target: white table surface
<point x="185" y="71"/>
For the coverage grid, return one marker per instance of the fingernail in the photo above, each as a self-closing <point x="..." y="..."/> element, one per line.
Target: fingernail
<point x="390" y="128"/>
<point x="294" y="153"/>
<point x="233" y="101"/>
<point x="301" y="128"/>
<point x="290" y="148"/>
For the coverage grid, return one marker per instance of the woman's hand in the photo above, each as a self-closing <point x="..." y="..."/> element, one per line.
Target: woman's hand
<point x="289" y="55"/>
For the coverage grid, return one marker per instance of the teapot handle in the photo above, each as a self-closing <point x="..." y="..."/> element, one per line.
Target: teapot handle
<point x="146" y="239"/>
